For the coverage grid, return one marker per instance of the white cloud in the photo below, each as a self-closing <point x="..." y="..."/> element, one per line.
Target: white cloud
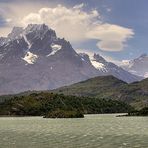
<point x="4" y="31"/>
<point x="111" y="37"/>
<point x="79" y="6"/>
<point x="75" y="24"/>
<point x="8" y="20"/>
<point x="71" y="23"/>
<point x="32" y="18"/>
<point x="110" y="59"/>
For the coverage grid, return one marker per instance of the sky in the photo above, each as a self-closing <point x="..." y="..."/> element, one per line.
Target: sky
<point x="116" y="29"/>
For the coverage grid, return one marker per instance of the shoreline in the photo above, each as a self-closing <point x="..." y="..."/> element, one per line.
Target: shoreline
<point x="118" y="114"/>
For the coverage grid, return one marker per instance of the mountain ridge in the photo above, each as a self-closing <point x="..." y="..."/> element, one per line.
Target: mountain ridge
<point x="34" y="58"/>
<point x="137" y="66"/>
<point x="109" y="87"/>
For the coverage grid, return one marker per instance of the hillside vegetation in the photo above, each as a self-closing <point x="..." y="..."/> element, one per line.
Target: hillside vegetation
<point x="105" y="94"/>
<point x="109" y="87"/>
<point x="44" y="103"/>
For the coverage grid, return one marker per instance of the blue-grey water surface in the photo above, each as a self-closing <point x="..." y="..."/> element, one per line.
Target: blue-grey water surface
<point x="94" y="131"/>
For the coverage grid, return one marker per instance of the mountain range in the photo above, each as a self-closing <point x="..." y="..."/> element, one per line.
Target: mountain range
<point x="34" y="58"/>
<point x="138" y="66"/>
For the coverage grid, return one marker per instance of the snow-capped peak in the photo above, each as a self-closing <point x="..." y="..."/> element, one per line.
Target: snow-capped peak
<point x="99" y="58"/>
<point x="55" y="49"/>
<point x="137" y="66"/>
<point x="30" y="58"/>
<point x="96" y="63"/>
<point x="39" y="31"/>
<point x="40" y="61"/>
<point x="34" y="30"/>
<point x="36" y="27"/>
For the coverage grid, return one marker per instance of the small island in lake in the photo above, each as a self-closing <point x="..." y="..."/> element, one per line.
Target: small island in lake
<point x="64" y="114"/>
<point x="142" y="112"/>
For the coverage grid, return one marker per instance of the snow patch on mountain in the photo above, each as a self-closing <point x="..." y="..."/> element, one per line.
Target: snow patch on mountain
<point x="17" y="41"/>
<point x="97" y="65"/>
<point x="3" y="40"/>
<point x="30" y="58"/>
<point x="26" y="40"/>
<point x="125" y="62"/>
<point x="55" y="49"/>
<point x="82" y="59"/>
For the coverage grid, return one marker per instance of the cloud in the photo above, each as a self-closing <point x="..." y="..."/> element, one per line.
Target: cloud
<point x="111" y="59"/>
<point x="71" y="23"/>
<point x="77" y="25"/>
<point x="74" y="23"/>
<point x="79" y="6"/>
<point x="111" y="37"/>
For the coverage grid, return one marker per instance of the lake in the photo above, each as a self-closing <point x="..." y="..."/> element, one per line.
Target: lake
<point x="93" y="131"/>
